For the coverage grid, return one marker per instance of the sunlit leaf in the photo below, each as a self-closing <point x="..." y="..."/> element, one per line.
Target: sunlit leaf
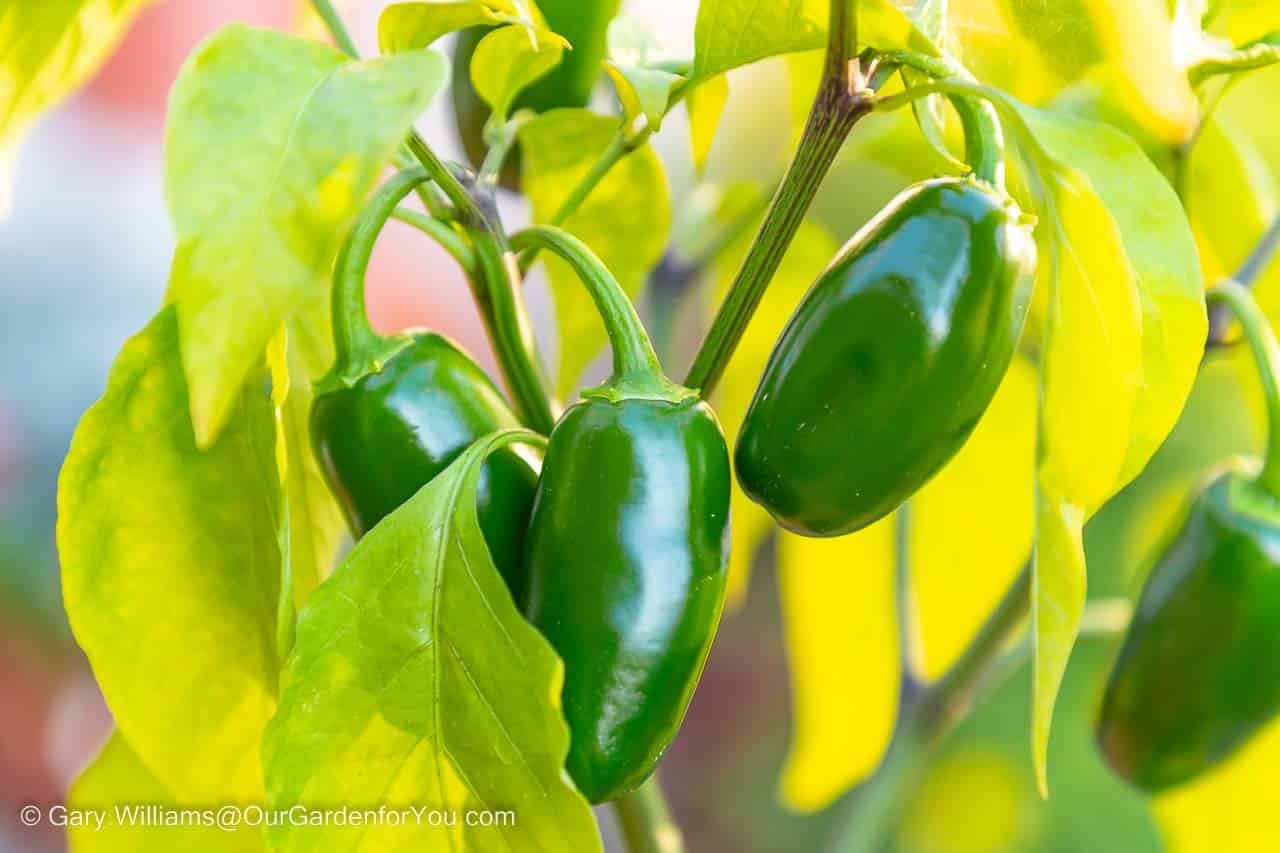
<point x="972" y="525"/>
<point x="415" y="681"/>
<point x="705" y="103"/>
<point x="171" y="570"/>
<point x="510" y="59"/>
<point x="272" y="145"/>
<point x="732" y="33"/>
<point x="119" y="787"/>
<point x="968" y="801"/>
<point x="1231" y="200"/>
<point x="414" y="26"/>
<point x="625" y="220"/>
<point x="840" y="628"/>
<point x="48" y="49"/>
<point x="810" y="252"/>
<point x="643" y="91"/>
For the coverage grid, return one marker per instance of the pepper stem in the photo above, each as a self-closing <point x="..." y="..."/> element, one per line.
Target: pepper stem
<point x="1266" y="354"/>
<point x="353" y="337"/>
<point x="634" y="361"/>
<point x="983" y="135"/>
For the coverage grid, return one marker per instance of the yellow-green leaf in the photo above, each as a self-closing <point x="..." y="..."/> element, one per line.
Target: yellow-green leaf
<point x="415" y="681"/>
<point x="414" y="26"/>
<point x="643" y="91"/>
<point x="842" y="649"/>
<point x="510" y="59"/>
<point x="117" y="786"/>
<point x="1231" y="200"/>
<point x="972" y="525"/>
<point x="625" y="220"/>
<point x="705" y="104"/>
<point x="171" y="570"/>
<point x="48" y="49"/>
<point x="272" y="145"/>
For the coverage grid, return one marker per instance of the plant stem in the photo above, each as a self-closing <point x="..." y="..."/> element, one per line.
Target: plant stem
<point x="333" y="22"/>
<point x="633" y="353"/>
<point x="645" y="820"/>
<point x="836" y="109"/>
<point x="451" y="241"/>
<point x="1266" y="354"/>
<point x="1248" y="274"/>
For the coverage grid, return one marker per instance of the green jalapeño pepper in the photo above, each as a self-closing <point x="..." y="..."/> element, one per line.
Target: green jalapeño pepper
<point x="628" y="548"/>
<point x="394" y="412"/>
<point x="890" y="359"/>
<point x="1199" y="671"/>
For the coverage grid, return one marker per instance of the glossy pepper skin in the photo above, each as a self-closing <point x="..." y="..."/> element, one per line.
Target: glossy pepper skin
<point x="1199" y="671"/>
<point x="890" y="360"/>
<point x="388" y="434"/>
<point x="628" y="549"/>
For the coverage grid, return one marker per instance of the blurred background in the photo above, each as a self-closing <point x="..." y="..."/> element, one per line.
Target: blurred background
<point x="84" y="254"/>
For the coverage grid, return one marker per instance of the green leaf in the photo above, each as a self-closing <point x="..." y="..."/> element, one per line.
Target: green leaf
<point x="1160" y="247"/>
<point x="510" y="59"/>
<point x="705" y="104"/>
<point x="272" y="145"/>
<point x="415" y="26"/>
<point x="625" y="220"/>
<point x="117" y="781"/>
<point x="171" y="570"/>
<point x="1091" y="374"/>
<point x="48" y="49"/>
<point x="1231" y="199"/>
<point x="414" y="680"/>
<point x="643" y="91"/>
<point x="732" y="33"/>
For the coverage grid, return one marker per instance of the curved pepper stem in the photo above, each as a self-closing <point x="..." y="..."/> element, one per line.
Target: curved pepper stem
<point x="354" y="338"/>
<point x="1266" y="353"/>
<point x="636" y="368"/>
<point x="983" y="134"/>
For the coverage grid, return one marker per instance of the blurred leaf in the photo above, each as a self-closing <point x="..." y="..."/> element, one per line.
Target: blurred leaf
<point x="414" y="680"/>
<point x="1242" y="20"/>
<point x="930" y="113"/>
<point x="48" y="50"/>
<point x="118" y="779"/>
<point x="840" y="629"/>
<point x="316" y="523"/>
<point x="510" y="59"/>
<point x="732" y="33"/>
<point x="625" y="220"/>
<point x="971" y="800"/>
<point x="705" y="103"/>
<point x="1231" y="810"/>
<point x="988" y="37"/>
<point x="171" y="570"/>
<point x="1231" y="199"/>
<point x="272" y="144"/>
<point x="643" y="91"/>
<point x="414" y="26"/>
<point x="810" y="252"/>
<point x="972" y="525"/>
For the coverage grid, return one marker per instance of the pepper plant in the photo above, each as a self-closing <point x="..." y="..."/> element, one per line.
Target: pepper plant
<point x="539" y="568"/>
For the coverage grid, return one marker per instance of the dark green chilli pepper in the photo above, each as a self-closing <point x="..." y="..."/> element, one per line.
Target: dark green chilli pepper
<point x="394" y="412"/>
<point x="585" y="24"/>
<point x="628" y="549"/>
<point x="890" y="360"/>
<point x="1199" y="671"/>
<point x="391" y="432"/>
